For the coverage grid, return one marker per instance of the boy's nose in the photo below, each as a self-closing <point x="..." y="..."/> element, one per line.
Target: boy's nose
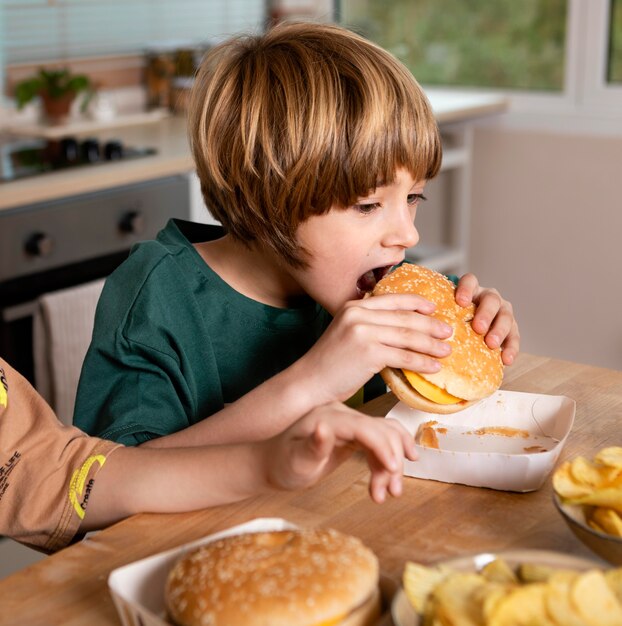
<point x="403" y="232"/>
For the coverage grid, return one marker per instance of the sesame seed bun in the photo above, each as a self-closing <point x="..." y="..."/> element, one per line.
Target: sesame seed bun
<point x="471" y="372"/>
<point x="303" y="577"/>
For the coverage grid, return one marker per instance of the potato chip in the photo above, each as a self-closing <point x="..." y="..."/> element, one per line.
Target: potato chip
<point x="594" y="526"/>
<point x="608" y="519"/>
<point x="609" y="497"/>
<point x="523" y="606"/>
<point x="561" y="597"/>
<point x="534" y="573"/>
<point x="595" y="476"/>
<point x="494" y="595"/>
<point x="610" y="456"/>
<point x="419" y="580"/>
<point x="566" y="485"/>
<point x="594" y="600"/>
<point x="454" y="601"/>
<point x="499" y="571"/>
<point x="557" y="600"/>
<point x="614" y="581"/>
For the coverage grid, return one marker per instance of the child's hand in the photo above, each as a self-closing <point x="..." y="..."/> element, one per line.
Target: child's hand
<point x="494" y="316"/>
<point x="318" y="442"/>
<point x="393" y="330"/>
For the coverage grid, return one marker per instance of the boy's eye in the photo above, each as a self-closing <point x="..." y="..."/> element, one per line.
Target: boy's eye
<point x="415" y="198"/>
<point x="367" y="208"/>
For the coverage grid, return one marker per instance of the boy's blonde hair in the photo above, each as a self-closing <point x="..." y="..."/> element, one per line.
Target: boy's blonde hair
<point x="308" y="116"/>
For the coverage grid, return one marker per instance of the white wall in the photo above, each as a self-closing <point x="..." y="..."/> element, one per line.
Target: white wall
<point x="547" y="232"/>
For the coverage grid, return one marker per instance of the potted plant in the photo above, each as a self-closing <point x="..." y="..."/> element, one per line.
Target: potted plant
<point x="57" y="89"/>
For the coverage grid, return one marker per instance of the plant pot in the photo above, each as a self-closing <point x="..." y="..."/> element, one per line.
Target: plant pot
<point x="57" y="109"/>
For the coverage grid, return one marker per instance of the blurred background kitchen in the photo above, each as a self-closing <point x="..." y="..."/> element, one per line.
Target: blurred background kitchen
<point x="528" y="96"/>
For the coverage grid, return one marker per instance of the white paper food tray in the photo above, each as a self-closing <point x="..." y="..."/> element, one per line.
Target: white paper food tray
<point x="494" y="461"/>
<point x="138" y="588"/>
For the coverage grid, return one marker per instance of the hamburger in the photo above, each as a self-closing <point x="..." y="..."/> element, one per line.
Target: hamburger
<point x="313" y="577"/>
<point x="470" y="373"/>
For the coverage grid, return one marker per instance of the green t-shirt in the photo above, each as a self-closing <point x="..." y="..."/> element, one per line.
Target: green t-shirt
<point x="173" y="342"/>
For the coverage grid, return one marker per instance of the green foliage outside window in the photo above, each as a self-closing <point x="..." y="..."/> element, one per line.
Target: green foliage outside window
<point x="615" y="43"/>
<point x="502" y="44"/>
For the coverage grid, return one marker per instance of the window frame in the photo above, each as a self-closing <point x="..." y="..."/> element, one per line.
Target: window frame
<point x="586" y="103"/>
<point x="597" y="91"/>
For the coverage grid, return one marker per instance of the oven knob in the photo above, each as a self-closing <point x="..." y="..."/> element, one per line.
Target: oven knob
<point x="133" y="223"/>
<point x="90" y="150"/>
<point x="39" y="244"/>
<point x="113" y="150"/>
<point x="69" y="149"/>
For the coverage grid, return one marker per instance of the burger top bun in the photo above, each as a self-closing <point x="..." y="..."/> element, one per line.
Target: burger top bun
<point x="472" y="371"/>
<point x="305" y="577"/>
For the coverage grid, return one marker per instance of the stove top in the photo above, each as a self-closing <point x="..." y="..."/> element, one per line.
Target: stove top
<point x="22" y="158"/>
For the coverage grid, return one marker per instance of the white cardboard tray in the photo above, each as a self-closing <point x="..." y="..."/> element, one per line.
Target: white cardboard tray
<point x="494" y="461"/>
<point x="138" y="588"/>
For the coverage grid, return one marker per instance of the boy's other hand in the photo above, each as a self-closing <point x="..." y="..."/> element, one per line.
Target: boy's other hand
<point x="318" y="442"/>
<point x="494" y="316"/>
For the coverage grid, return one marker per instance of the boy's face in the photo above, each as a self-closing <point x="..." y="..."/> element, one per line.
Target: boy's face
<point x="349" y="249"/>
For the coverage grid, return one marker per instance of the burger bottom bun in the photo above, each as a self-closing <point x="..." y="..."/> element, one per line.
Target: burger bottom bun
<point x="367" y="614"/>
<point x="405" y="392"/>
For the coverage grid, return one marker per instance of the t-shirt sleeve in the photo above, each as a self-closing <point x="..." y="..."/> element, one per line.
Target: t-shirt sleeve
<point x="47" y="470"/>
<point x="148" y="359"/>
<point x="131" y="395"/>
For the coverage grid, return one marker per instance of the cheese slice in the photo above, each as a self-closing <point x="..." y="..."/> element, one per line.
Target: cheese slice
<point x="332" y="622"/>
<point x="429" y="390"/>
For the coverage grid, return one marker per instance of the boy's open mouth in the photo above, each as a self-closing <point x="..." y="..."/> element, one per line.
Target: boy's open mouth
<point x="367" y="282"/>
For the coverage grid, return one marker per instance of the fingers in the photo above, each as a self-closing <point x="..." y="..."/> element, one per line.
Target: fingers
<point x="494" y="317"/>
<point x="333" y="430"/>
<point x="401" y="338"/>
<point x="403" y="301"/>
<point x="492" y="308"/>
<point x="321" y="442"/>
<point x="511" y="345"/>
<point x="401" y="319"/>
<point x="467" y="289"/>
<point x="384" y="482"/>
<point x="408" y="441"/>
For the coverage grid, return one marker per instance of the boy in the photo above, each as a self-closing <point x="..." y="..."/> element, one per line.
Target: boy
<point x="49" y="473"/>
<point x="313" y="147"/>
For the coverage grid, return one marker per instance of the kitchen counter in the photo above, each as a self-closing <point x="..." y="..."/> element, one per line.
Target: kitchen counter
<point x="430" y="521"/>
<point x="168" y="137"/>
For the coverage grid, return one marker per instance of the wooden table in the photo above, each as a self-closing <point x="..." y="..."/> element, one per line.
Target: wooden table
<point x="430" y="521"/>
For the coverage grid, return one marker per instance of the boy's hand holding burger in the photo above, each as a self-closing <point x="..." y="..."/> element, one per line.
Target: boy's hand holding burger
<point x="401" y="329"/>
<point x="473" y="369"/>
<point x="494" y="317"/>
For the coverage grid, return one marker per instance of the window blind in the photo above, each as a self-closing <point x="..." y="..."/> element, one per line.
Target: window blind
<point x="36" y="30"/>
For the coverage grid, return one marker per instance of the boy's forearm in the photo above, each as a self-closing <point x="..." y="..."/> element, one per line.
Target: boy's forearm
<point x="262" y="413"/>
<point x="136" y="480"/>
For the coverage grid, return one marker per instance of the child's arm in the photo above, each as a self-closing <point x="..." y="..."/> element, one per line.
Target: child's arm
<point x="494" y="316"/>
<point x="140" y="479"/>
<point x="364" y="337"/>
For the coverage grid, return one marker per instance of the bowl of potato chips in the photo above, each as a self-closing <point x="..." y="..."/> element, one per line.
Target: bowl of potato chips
<point x="514" y="588"/>
<point x="588" y="494"/>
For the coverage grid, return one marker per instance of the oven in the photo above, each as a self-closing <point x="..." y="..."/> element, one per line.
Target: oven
<point x="64" y="243"/>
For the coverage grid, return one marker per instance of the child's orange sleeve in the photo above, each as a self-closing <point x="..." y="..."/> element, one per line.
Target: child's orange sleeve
<point x="47" y="470"/>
